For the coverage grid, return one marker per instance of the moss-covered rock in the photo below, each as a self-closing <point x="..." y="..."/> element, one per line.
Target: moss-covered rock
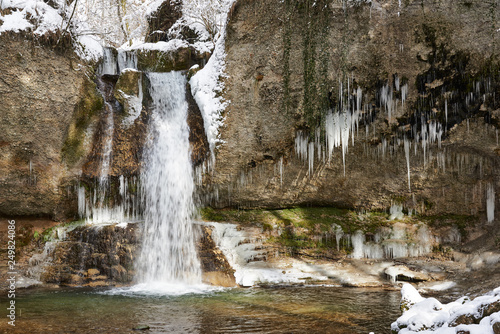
<point x="160" y="61"/>
<point x="128" y="92"/>
<point x="91" y="102"/>
<point x="127" y="83"/>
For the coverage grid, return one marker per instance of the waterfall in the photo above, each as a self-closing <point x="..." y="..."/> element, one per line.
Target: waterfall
<point x="168" y="253"/>
<point x="127" y="59"/>
<point x="109" y="65"/>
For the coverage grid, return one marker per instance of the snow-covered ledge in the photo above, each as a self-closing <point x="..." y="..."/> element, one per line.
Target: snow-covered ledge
<point x="427" y="315"/>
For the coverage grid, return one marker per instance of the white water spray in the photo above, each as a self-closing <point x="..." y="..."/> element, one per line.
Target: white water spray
<point x="168" y="253"/>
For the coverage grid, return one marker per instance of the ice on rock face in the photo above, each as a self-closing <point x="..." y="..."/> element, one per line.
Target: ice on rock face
<point x="357" y="241"/>
<point x="400" y="240"/>
<point x="490" y="203"/>
<point x="396" y="212"/>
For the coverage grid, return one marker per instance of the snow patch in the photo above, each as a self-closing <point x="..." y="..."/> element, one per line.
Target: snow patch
<point x="428" y="315"/>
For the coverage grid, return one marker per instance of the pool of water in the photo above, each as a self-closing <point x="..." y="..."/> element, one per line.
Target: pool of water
<point x="254" y="310"/>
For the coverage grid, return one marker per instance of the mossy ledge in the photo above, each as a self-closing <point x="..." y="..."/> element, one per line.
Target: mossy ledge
<point x="310" y="231"/>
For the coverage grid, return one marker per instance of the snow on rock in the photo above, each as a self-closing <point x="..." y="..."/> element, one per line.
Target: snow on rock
<point x="206" y="84"/>
<point x="436" y="286"/>
<point x="171" y="45"/>
<point x="428" y="315"/>
<point x="15" y="22"/>
<point x="43" y="17"/>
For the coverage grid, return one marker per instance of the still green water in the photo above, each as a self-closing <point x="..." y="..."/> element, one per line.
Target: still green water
<point x="255" y="310"/>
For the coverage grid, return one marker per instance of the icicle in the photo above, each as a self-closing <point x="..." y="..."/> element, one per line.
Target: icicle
<point x="109" y="65"/>
<point x="127" y="59"/>
<point x="490" y="202"/>
<point x="407" y="156"/>
<point x="81" y="202"/>
<point x="311" y="158"/>
<point x="404" y="94"/>
<point x="301" y="142"/>
<point x="446" y="110"/>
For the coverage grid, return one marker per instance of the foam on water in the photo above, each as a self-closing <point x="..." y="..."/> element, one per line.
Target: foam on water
<point x="160" y="289"/>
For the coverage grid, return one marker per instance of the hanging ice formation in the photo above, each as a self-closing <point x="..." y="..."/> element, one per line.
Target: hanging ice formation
<point x="490" y="203"/>
<point x="168" y="252"/>
<point x="396" y="241"/>
<point x="340" y="125"/>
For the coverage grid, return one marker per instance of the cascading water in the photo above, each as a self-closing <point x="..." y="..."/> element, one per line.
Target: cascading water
<point x="168" y="253"/>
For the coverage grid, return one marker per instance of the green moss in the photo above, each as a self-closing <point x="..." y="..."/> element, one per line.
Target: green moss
<point x="159" y="61"/>
<point x="304" y="229"/>
<point x="50" y="234"/>
<point x="90" y="104"/>
<point x="128" y="83"/>
<point x="462" y="222"/>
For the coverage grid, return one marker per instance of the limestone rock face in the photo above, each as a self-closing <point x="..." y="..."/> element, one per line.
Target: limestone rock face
<point x="286" y="64"/>
<point x="39" y="90"/>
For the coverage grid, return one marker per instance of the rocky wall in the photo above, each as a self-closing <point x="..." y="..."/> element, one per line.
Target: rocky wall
<point x="39" y="89"/>
<point x="290" y="62"/>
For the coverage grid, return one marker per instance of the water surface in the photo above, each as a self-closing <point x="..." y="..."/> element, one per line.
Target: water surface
<point x="255" y="310"/>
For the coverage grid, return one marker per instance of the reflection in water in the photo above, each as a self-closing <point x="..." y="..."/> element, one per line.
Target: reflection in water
<point x="258" y="310"/>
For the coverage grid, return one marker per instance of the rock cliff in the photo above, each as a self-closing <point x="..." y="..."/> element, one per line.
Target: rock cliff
<point x="40" y="89"/>
<point x="411" y="66"/>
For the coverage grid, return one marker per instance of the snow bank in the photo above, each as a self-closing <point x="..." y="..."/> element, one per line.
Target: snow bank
<point x="206" y="85"/>
<point x="31" y="14"/>
<point x="428" y="315"/>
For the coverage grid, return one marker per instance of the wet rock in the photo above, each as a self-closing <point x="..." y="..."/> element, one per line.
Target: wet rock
<point x="128" y="84"/>
<point x="496" y="328"/>
<point x="105" y="255"/>
<point x="273" y="94"/>
<point x="489" y="309"/>
<point x="165" y="61"/>
<point x="216" y="270"/>
<point x="197" y="135"/>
